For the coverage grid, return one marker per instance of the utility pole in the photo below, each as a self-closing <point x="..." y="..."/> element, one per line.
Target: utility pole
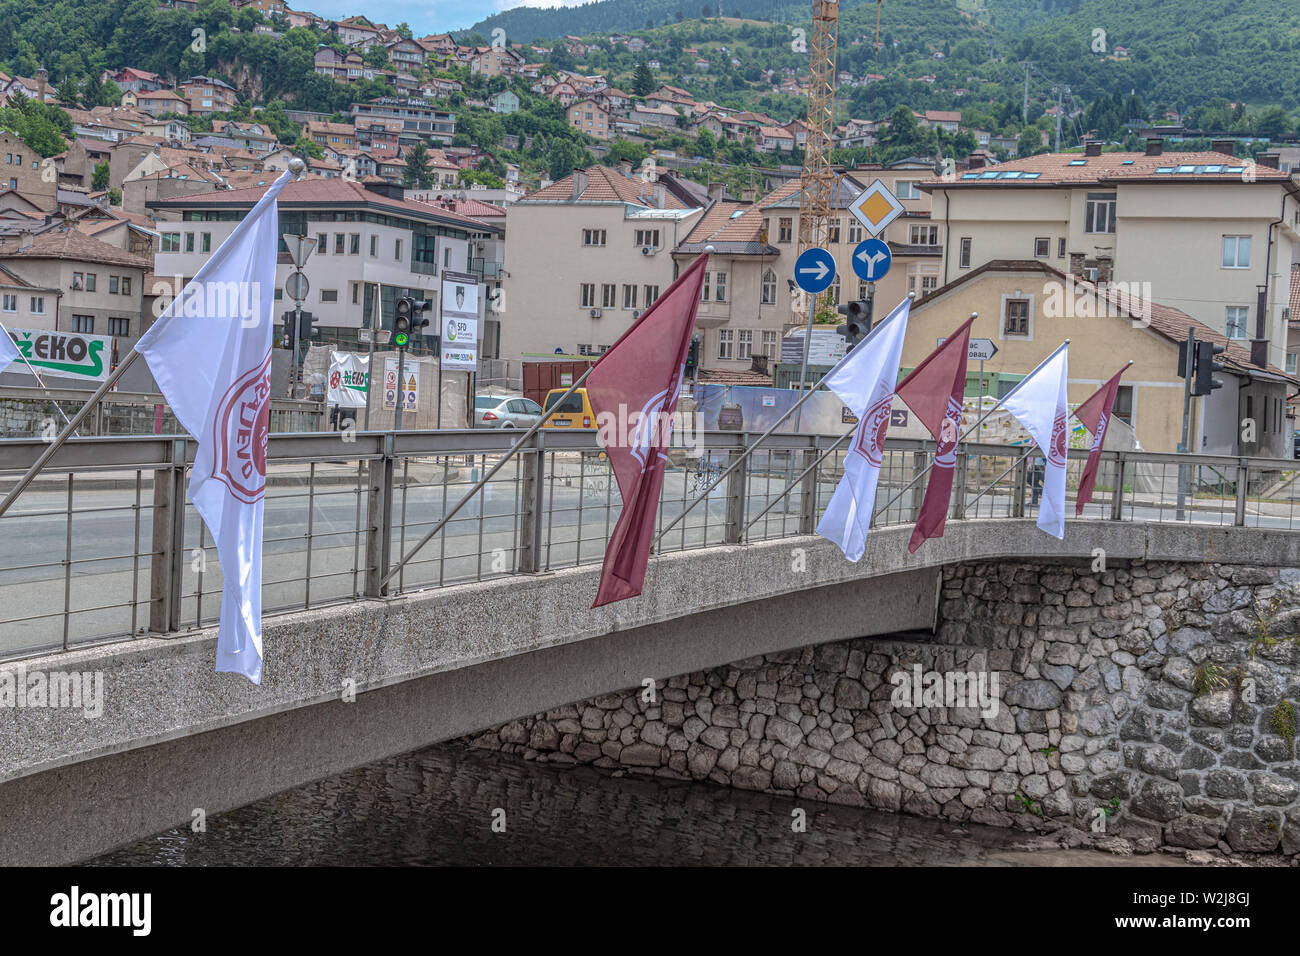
<point x="1058" y="90"/>
<point x="1025" y="109"/>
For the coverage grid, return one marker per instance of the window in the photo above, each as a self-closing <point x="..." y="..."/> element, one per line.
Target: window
<point x="593" y="237"/>
<point x="322" y="243"/>
<point x="338" y="243"/>
<point x="90" y="282"/>
<point x="10" y="303"/>
<point x="587" y="295"/>
<point x="38" y="305"/>
<point x="1060" y="248"/>
<point x="704" y="289"/>
<point x="84" y="324"/>
<point x="397" y="250"/>
<point x="189" y="242"/>
<point x="629" y="296"/>
<point x="354" y="244"/>
<point x="374" y="246"/>
<point x="771" y="344"/>
<point x="720" y="287"/>
<point x="647" y="237"/>
<point x="1236" y="252"/>
<point x="769" y="288"/>
<point x="744" y="343"/>
<point x="78" y="280"/>
<point x="608" y="295"/>
<point x="963" y="259"/>
<point x="1099" y="213"/>
<point x="924" y="235"/>
<point x="834" y="231"/>
<point x="1042" y="247"/>
<point x="171" y="242"/>
<point x="855" y="232"/>
<point x="205" y="242"/>
<point x="112" y="285"/>
<point x="651" y="294"/>
<point x="907" y="189"/>
<point x="833" y="293"/>
<point x="1017" y="317"/>
<point x="785" y="229"/>
<point x="725" y="337"/>
<point x="119" y="327"/>
<point x="1235" y="324"/>
<point x="1124" y="404"/>
<point x="329" y="295"/>
<point x="1290" y="363"/>
<point x="126" y="285"/>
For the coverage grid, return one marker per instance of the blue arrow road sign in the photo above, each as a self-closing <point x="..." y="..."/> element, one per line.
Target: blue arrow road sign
<point x="871" y="259"/>
<point x="814" y="270"/>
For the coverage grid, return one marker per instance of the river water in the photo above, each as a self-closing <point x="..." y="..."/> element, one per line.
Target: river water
<point x="437" y="806"/>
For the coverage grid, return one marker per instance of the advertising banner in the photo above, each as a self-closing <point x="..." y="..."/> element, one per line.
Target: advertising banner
<point x="458" y="321"/>
<point x="348" y="380"/>
<point x="66" y="354"/>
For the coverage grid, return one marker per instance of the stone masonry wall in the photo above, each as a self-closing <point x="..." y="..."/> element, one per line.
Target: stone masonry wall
<point x="1155" y="703"/>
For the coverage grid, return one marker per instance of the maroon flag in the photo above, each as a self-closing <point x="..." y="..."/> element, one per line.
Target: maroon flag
<point x="933" y="391"/>
<point x="1095" y="414"/>
<point x="633" y="391"/>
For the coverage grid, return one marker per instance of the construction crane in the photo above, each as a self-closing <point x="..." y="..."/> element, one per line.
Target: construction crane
<point x="818" y="179"/>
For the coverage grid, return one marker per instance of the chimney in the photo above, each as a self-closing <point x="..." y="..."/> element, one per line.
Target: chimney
<point x="1076" y="264"/>
<point x="579" y="183"/>
<point x="41" y="78"/>
<point x="24" y="240"/>
<point x="749" y="194"/>
<point x="1092" y="147"/>
<point x="661" y="195"/>
<point x="1226" y="146"/>
<point x="716" y="190"/>
<point x="1103" y="270"/>
<point x="974" y="162"/>
<point x="1155" y="145"/>
<point x="758" y="363"/>
<point x="625" y="168"/>
<point x="1267" y="159"/>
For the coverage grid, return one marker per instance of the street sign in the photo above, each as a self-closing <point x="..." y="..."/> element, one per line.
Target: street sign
<point x="898" y="416"/>
<point x="872" y="259"/>
<point x="979" y="350"/>
<point x="876" y="207"/>
<point x="296" y="286"/>
<point x="814" y="270"/>
<point x="300" y="248"/>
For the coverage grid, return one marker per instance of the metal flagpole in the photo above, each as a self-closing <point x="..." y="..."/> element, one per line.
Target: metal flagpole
<point x="487" y="476"/>
<point x="45" y="388"/>
<point x="924" y="471"/>
<point x="807" y="394"/>
<point x="68" y="429"/>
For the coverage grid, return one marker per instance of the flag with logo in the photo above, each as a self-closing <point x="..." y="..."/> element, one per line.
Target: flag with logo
<point x="864" y="380"/>
<point x="210" y="353"/>
<point x="1039" y="403"/>
<point x="642" y="372"/>
<point x="1095" y="414"/>
<point x="933" y="391"/>
<point x="8" y="350"/>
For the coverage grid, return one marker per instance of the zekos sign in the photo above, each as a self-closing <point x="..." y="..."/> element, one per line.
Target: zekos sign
<point x="66" y="354"/>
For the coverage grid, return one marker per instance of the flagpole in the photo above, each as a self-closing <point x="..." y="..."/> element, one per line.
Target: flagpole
<point x="753" y="446"/>
<point x="487" y="476"/>
<point x="924" y="471"/>
<point x="45" y="388"/>
<point x="68" y="430"/>
<point x="800" y="477"/>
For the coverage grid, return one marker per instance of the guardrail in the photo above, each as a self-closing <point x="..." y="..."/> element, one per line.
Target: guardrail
<point x="105" y="545"/>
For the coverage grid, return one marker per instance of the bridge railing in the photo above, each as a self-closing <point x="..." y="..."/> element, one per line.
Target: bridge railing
<point x="105" y="545"/>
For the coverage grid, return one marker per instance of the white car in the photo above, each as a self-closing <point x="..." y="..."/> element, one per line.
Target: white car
<point x="505" y="411"/>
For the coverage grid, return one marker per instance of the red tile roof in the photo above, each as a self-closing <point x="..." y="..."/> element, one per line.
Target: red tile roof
<point x="606" y="185"/>
<point x="1057" y="168"/>
<point x="72" y="244"/>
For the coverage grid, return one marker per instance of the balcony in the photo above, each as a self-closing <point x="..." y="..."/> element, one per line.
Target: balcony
<point x="486" y="268"/>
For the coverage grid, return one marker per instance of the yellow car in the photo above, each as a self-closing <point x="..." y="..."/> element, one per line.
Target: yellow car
<point x="574" y="413"/>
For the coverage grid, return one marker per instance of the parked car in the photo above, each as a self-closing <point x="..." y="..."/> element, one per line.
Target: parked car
<point x="575" y="412"/>
<point x="506" y="411"/>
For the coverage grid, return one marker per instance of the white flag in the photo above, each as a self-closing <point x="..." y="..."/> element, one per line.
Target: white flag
<point x="864" y="380"/>
<point x="1039" y="403"/>
<point x="8" y="351"/>
<point x="210" y="353"/>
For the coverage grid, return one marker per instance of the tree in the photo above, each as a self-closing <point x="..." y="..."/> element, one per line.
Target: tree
<point x="100" y="177"/>
<point x="308" y="148"/>
<point x="643" y="80"/>
<point x="69" y="91"/>
<point x="1030" y="143"/>
<point x="376" y="57"/>
<point x="417" y="174"/>
<point x="705" y="144"/>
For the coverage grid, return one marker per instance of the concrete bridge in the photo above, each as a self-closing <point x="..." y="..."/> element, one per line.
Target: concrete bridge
<point x="368" y="675"/>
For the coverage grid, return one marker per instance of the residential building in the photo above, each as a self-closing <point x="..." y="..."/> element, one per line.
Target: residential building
<point x="600" y="243"/>
<point x="372" y="245"/>
<point x="207" y="95"/>
<point x="589" y="117"/>
<point x="24" y="304"/>
<point x="420" y="119"/>
<point x="1213" y="236"/>
<point x="129" y="79"/>
<point x="23" y="171"/>
<point x="156" y="102"/>
<point x="504" y="102"/>
<point x="335" y="135"/>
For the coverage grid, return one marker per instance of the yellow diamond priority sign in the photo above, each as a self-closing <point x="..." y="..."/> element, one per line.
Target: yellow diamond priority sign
<point x="876" y="207"/>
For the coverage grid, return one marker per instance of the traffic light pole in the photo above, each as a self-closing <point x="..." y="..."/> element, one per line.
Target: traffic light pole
<point x="803" y="366"/>
<point x="1189" y="367"/>
<point x="401" y="389"/>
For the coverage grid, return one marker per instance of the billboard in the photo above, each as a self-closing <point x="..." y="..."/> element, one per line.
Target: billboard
<point x="458" y="321"/>
<point x="348" y="379"/>
<point x="66" y="354"/>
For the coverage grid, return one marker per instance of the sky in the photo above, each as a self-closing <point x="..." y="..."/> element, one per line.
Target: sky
<point x="424" y="16"/>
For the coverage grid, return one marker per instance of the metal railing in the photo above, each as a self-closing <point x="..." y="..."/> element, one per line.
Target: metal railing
<point x="105" y="545"/>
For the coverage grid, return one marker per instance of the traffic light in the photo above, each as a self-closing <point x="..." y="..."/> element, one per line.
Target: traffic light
<point x="294" y="334"/>
<point x="857" y="316"/>
<point x="288" y="333"/>
<point x="693" y="356"/>
<point x="1206" y="367"/>
<point x="408" y="319"/>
